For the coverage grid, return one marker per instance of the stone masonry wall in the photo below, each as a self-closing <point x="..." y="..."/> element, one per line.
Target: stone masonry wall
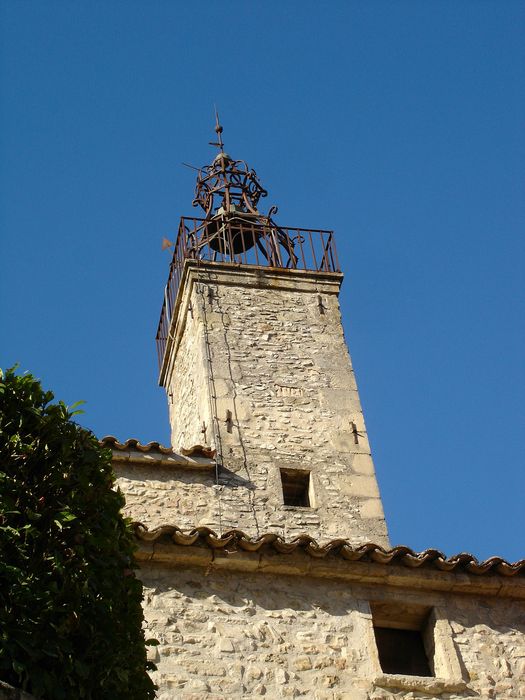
<point x="157" y="495"/>
<point x="235" y="635"/>
<point x="284" y="394"/>
<point x="189" y="389"/>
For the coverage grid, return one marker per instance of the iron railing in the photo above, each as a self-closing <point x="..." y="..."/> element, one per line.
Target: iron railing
<point x="246" y="242"/>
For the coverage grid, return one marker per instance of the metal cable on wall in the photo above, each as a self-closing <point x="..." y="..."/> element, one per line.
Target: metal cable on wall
<point x="211" y="393"/>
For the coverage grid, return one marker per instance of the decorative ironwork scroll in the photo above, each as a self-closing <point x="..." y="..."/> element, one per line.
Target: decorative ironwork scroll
<point x="228" y="185"/>
<point x="229" y="191"/>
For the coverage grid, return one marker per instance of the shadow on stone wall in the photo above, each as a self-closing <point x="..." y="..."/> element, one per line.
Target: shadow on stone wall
<point x="241" y="591"/>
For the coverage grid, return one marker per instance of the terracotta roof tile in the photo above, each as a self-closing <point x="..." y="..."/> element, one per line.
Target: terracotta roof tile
<point x="236" y="540"/>
<point x="198" y="451"/>
<point x="133" y="444"/>
<point x="153" y="446"/>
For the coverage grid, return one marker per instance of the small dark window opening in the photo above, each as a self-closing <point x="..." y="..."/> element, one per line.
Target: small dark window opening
<point x="404" y="638"/>
<point x="402" y="651"/>
<point x="296" y="487"/>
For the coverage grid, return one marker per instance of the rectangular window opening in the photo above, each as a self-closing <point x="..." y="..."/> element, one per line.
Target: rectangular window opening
<point x="296" y="487"/>
<point x="403" y="639"/>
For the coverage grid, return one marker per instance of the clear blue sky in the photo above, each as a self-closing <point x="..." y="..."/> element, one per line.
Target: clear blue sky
<point x="397" y="124"/>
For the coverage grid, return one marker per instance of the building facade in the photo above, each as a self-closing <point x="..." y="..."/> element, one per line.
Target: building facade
<point x="263" y="548"/>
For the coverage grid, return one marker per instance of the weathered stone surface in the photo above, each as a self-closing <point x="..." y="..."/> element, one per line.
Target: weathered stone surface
<point x="250" y="635"/>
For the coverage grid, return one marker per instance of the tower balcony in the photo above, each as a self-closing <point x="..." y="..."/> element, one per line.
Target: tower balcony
<point x="239" y="239"/>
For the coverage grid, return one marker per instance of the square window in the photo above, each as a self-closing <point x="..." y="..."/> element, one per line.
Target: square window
<point x="403" y="639"/>
<point x="296" y="487"/>
<point x="401" y="651"/>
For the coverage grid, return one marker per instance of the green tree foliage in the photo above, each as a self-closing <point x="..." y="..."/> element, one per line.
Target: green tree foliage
<point x="70" y="613"/>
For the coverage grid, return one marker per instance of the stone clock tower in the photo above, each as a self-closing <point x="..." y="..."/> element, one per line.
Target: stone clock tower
<point x="263" y="547"/>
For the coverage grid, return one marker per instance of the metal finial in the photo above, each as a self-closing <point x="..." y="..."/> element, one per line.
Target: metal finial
<point x="218" y="131"/>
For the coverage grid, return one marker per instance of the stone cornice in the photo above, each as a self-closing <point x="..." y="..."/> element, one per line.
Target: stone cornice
<point x="366" y="564"/>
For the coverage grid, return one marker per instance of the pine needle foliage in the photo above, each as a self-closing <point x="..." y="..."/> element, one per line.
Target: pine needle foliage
<point x="70" y="604"/>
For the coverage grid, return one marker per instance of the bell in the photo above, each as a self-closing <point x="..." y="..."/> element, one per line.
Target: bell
<point x="231" y="234"/>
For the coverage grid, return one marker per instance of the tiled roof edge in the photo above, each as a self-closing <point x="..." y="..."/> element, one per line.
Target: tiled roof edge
<point x="133" y="444"/>
<point x="341" y="548"/>
<point x="153" y="446"/>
